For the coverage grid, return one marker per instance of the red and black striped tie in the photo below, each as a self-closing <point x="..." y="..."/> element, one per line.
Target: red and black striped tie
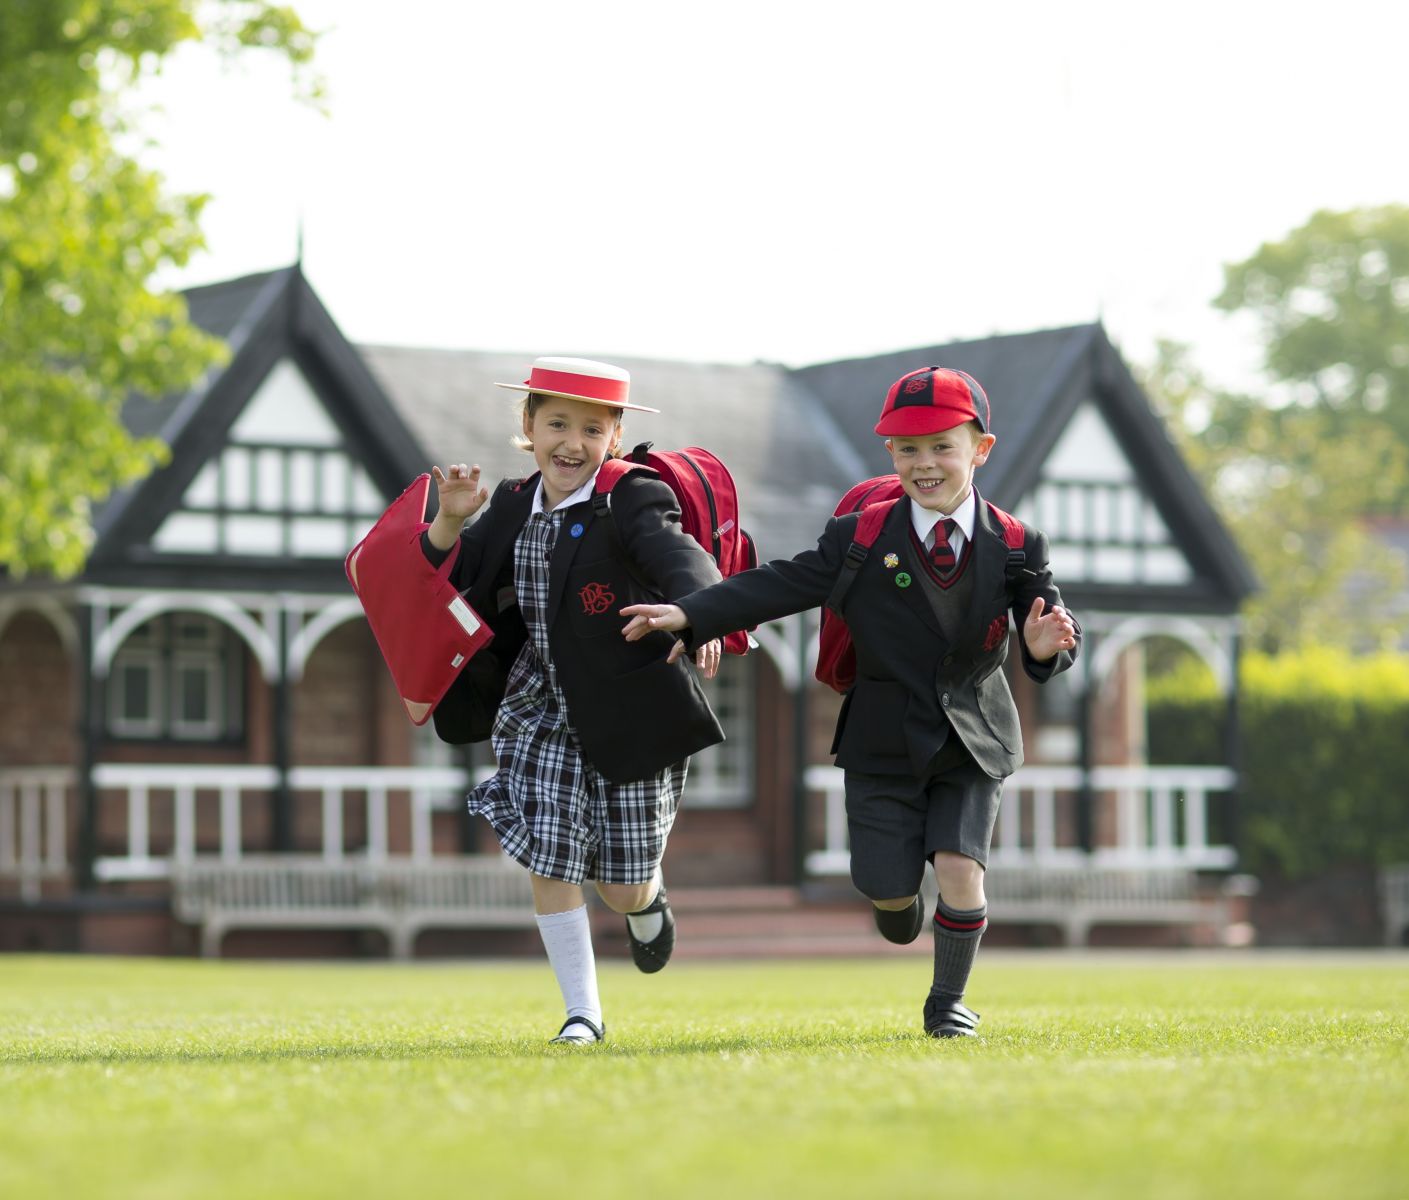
<point x="942" y="554"/>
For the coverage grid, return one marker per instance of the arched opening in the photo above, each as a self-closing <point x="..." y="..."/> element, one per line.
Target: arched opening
<point x="38" y="704"/>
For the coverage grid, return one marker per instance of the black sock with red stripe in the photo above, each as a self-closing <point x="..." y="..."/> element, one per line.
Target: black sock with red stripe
<point x="956" y="936"/>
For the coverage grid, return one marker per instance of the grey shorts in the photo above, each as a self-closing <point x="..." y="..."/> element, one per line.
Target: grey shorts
<point x="897" y="822"/>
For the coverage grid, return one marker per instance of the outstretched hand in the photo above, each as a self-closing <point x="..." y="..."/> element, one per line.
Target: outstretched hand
<point x="459" y="490"/>
<point x="669" y="618"/>
<point x="649" y="618"/>
<point x="1048" y="631"/>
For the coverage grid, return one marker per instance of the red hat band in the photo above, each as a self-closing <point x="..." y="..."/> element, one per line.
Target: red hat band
<point x="590" y="387"/>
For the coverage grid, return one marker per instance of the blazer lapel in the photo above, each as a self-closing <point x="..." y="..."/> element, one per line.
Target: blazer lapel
<point x="500" y="543"/>
<point x="895" y="539"/>
<point x="579" y="516"/>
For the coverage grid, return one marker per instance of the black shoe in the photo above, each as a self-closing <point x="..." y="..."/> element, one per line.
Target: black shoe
<point x="949" y="1018"/>
<point x="651" y="956"/>
<point x="901" y="926"/>
<point x="598" y="1032"/>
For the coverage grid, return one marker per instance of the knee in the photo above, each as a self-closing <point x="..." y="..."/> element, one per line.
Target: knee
<point x="627" y="897"/>
<point x="960" y="880"/>
<point x="897" y="905"/>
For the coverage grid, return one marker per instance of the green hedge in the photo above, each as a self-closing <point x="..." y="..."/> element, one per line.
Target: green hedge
<point x="1325" y="755"/>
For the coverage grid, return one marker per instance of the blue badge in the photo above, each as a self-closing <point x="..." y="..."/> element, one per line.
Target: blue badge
<point x="576" y="531"/>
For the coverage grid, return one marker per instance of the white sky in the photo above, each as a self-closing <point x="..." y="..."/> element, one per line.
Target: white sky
<point x="794" y="182"/>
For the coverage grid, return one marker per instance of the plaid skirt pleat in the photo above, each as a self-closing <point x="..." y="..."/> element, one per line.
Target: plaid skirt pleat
<point x="551" y="809"/>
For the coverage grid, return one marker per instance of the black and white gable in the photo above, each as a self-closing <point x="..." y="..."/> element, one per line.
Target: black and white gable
<point x="279" y="462"/>
<point x="1080" y="455"/>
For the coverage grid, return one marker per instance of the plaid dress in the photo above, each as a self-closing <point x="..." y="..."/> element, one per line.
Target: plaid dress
<point x="550" y="808"/>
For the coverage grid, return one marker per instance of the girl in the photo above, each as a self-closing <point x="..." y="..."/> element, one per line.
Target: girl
<point x="593" y="733"/>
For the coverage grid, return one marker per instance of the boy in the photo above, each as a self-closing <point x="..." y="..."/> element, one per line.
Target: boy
<point x="929" y="731"/>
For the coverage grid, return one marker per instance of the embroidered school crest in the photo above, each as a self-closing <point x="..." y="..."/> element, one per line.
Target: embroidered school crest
<point x="596" y="599"/>
<point x="997" y="631"/>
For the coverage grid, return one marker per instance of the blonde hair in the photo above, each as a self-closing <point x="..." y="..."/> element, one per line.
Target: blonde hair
<point x="533" y="401"/>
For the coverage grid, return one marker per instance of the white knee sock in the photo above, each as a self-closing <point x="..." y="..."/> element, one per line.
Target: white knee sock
<point x="568" y="939"/>
<point x="647" y="928"/>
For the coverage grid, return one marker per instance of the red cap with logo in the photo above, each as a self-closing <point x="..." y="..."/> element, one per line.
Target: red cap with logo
<point x="932" y="400"/>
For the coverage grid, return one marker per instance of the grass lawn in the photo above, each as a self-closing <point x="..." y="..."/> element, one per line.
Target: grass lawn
<point x="1097" y="1076"/>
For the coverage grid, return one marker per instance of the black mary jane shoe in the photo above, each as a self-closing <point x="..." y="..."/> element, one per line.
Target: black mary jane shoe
<point x="598" y="1032"/>
<point x="652" y="956"/>
<point x="949" y="1018"/>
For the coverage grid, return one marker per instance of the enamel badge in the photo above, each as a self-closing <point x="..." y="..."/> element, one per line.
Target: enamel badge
<point x="903" y="579"/>
<point x="892" y="561"/>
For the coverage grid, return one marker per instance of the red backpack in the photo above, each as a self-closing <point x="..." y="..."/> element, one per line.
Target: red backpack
<point x="874" y="498"/>
<point x="709" y="507"/>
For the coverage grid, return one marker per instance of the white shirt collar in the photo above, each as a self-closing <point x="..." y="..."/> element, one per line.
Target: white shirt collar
<point x="922" y="520"/>
<point x="582" y="493"/>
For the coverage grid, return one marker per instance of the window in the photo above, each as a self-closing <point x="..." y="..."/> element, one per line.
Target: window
<point x="722" y="776"/>
<point x="180" y="677"/>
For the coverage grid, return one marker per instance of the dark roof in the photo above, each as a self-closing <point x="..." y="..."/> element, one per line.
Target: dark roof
<point x="793" y="439"/>
<point x="1021" y="374"/>
<point x="1035" y="382"/>
<point x="229" y="310"/>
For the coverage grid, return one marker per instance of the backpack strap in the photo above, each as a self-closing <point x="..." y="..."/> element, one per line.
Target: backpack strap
<point x="1015" y="536"/>
<point x="609" y="474"/>
<point x="868" y="529"/>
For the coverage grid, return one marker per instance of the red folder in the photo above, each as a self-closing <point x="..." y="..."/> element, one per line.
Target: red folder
<point x="424" y="628"/>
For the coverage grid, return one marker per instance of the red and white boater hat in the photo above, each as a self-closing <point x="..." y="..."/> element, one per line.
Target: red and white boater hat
<point x="579" y="379"/>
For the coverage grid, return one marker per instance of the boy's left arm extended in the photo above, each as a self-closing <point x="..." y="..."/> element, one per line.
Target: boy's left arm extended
<point x="1033" y="581"/>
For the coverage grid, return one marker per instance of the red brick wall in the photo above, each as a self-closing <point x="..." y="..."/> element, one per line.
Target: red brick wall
<point x="38" y="705"/>
<point x="345" y="710"/>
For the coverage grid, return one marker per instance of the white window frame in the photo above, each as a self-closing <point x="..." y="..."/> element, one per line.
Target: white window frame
<point x="214" y="724"/>
<point x="164" y="654"/>
<point x="119" y="721"/>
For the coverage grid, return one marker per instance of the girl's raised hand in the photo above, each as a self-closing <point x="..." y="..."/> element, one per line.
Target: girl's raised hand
<point x="460" y="493"/>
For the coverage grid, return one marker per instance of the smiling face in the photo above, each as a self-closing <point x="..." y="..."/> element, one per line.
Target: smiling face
<point x="937" y="470"/>
<point x="571" y="439"/>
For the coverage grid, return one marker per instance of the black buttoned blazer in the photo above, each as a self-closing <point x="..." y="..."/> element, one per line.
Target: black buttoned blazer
<point x="913" y="684"/>
<point x="634" y="713"/>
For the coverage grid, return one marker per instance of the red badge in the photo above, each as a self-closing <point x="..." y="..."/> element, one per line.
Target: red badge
<point x="596" y="599"/>
<point x="997" y="631"/>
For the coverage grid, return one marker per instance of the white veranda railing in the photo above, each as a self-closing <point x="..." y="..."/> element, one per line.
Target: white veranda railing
<point x="1149" y="817"/>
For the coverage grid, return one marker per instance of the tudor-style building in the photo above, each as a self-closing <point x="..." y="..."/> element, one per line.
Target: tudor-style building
<point x="205" y="702"/>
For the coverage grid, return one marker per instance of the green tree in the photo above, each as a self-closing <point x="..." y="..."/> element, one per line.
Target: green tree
<point x="1332" y="300"/>
<point x="1293" y="488"/>
<point x="83" y="229"/>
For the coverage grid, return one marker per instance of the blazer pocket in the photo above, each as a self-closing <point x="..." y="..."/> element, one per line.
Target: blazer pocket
<point x="995" y="704"/>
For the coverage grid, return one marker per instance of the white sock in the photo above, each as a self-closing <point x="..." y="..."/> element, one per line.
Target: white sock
<point x="568" y="939"/>
<point x="647" y="928"/>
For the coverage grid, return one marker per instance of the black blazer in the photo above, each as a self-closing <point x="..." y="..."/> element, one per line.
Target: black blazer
<point x="912" y="684"/>
<point x="634" y="713"/>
